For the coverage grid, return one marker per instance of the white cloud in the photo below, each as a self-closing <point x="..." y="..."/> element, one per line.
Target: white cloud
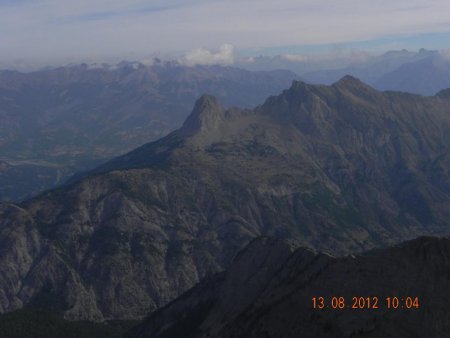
<point x="295" y="57"/>
<point x="201" y="56"/>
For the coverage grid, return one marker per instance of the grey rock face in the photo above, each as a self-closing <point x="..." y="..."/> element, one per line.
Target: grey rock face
<point x="341" y="168"/>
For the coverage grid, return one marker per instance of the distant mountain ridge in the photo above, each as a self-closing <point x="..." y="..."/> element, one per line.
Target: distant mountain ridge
<point x="427" y="76"/>
<point x="341" y="169"/>
<point x="425" y="73"/>
<point x="370" y="69"/>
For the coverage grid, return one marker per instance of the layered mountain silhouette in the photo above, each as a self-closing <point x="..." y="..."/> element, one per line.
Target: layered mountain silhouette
<point x="370" y="68"/>
<point x="341" y="168"/>
<point x="269" y="291"/>
<point x="427" y="76"/>
<point x="55" y="122"/>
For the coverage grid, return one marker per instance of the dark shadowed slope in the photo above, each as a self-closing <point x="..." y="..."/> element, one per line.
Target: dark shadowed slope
<point x="339" y="168"/>
<point x="268" y="292"/>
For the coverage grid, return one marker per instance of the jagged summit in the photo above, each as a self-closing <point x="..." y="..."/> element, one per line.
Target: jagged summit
<point x="348" y="79"/>
<point x="304" y="93"/>
<point x="207" y="113"/>
<point x="297" y="84"/>
<point x="345" y="81"/>
<point x="353" y="84"/>
<point x="300" y="88"/>
<point x="296" y="93"/>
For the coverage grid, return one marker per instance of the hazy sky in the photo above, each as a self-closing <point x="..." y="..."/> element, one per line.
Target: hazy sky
<point x="49" y="30"/>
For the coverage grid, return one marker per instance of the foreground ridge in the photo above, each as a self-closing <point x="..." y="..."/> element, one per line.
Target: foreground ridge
<point x="269" y="291"/>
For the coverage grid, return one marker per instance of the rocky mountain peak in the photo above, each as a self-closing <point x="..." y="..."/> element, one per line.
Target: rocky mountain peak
<point x="298" y="90"/>
<point x="280" y="106"/>
<point x="206" y="115"/>
<point x="298" y="85"/>
<point x="349" y="81"/>
<point x="352" y="87"/>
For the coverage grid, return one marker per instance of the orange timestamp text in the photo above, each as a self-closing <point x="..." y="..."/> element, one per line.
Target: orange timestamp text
<point x="360" y="302"/>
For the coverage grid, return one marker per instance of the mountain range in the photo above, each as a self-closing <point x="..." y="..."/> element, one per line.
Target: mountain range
<point x="425" y="72"/>
<point x="340" y="169"/>
<point x="427" y="76"/>
<point x="58" y="121"/>
<point x="371" y="69"/>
